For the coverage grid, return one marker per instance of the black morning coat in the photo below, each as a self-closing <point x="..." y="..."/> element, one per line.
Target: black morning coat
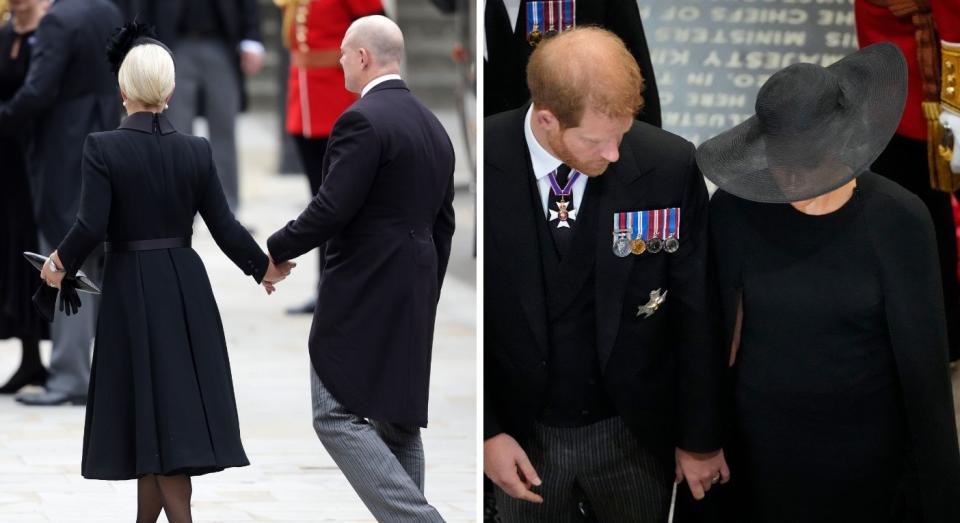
<point x="505" y="65"/>
<point x="69" y="93"/>
<point x="240" y="20"/>
<point x="662" y="373"/>
<point x="383" y="219"/>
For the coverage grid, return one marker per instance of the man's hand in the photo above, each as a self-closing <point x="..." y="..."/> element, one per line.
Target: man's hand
<point x="275" y="274"/>
<point x="51" y="277"/>
<point x="701" y="471"/>
<point x="251" y="62"/>
<point x="507" y="466"/>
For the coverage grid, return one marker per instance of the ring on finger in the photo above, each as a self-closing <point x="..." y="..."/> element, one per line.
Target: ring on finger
<point x="716" y="479"/>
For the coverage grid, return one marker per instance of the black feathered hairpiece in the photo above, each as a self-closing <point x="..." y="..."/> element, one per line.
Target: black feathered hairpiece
<point x="126" y="38"/>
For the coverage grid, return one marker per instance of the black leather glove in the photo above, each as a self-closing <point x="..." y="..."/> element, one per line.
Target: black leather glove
<point x="69" y="298"/>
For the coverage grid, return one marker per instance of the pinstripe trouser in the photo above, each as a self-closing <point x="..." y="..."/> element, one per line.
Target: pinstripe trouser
<point x="623" y="482"/>
<point x="382" y="461"/>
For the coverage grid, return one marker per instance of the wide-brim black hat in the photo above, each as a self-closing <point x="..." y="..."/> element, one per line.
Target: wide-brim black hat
<point x="815" y="128"/>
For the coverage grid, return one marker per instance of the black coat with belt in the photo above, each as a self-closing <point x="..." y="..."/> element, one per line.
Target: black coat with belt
<point x="161" y="393"/>
<point x="69" y="93"/>
<point x="240" y="20"/>
<point x="505" y="65"/>
<point x="383" y="219"/>
<point x="662" y="373"/>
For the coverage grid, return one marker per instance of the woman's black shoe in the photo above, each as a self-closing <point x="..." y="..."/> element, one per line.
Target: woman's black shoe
<point x="22" y="378"/>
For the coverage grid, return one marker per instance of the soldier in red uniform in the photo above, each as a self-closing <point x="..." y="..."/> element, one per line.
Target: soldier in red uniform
<point x="312" y="31"/>
<point x="924" y="30"/>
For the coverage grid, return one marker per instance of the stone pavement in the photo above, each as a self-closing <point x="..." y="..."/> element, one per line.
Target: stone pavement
<point x="291" y="478"/>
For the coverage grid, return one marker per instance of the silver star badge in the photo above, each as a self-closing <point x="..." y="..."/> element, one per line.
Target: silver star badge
<point x="656" y="300"/>
<point x="563" y="214"/>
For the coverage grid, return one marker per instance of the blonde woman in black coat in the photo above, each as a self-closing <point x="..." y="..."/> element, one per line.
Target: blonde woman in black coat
<point x="161" y="405"/>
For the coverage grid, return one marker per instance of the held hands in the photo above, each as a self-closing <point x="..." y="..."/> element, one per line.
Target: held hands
<point x="275" y="274"/>
<point x="701" y="471"/>
<point x="507" y="466"/>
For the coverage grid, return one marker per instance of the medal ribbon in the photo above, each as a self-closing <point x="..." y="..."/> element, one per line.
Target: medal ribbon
<point x="568" y="14"/>
<point x="533" y="17"/>
<point x="567" y="189"/>
<point x="673" y="223"/>
<point x="656" y="224"/>
<point x="678" y="222"/>
<point x="635" y="228"/>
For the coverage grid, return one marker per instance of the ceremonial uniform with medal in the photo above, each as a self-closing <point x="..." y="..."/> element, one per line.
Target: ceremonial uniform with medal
<point x="598" y="334"/>
<point x="920" y="153"/>
<point x="512" y="28"/>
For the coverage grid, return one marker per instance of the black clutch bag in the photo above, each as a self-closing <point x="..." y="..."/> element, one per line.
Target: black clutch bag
<point x="45" y="299"/>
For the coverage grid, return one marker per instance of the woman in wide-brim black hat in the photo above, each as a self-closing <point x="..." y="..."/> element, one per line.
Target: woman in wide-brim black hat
<point x="841" y="406"/>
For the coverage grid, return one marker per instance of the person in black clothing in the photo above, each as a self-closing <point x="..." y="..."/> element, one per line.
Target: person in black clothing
<point x="384" y="219"/>
<point x="67" y="94"/>
<point x="18" y="232"/>
<point x="508" y="47"/>
<point x="841" y="405"/>
<point x="216" y="43"/>
<point x="161" y="405"/>
<point x="602" y="362"/>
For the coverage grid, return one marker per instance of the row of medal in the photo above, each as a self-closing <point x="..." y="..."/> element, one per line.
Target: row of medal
<point x="547" y="18"/>
<point x="638" y="232"/>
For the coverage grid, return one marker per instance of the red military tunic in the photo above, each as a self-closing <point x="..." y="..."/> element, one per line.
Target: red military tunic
<point x="316" y="95"/>
<point x="878" y="24"/>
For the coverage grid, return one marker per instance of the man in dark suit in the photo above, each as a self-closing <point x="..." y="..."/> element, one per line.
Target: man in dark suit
<point x="508" y="46"/>
<point x="69" y="92"/>
<point x="601" y="360"/>
<point x="215" y="43"/>
<point x="384" y="219"/>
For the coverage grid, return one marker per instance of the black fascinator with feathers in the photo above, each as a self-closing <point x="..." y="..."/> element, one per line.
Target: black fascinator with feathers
<point x="126" y="38"/>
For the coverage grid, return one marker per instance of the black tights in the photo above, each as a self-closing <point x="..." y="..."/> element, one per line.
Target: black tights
<point x="170" y="493"/>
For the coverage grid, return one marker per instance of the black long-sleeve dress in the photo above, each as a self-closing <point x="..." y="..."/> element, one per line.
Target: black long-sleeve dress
<point x="161" y="395"/>
<point x="18" y="231"/>
<point x="840" y="389"/>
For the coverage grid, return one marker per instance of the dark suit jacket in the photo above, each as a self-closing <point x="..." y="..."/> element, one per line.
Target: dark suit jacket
<point x="663" y="373"/>
<point x="69" y="92"/>
<point x="240" y="18"/>
<point x="383" y="218"/>
<point x="505" y="68"/>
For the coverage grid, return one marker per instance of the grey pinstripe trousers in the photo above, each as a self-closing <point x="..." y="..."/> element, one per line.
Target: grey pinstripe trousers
<point x="622" y="481"/>
<point x="382" y="461"/>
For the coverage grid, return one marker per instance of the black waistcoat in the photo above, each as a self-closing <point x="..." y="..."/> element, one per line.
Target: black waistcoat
<point x="575" y="391"/>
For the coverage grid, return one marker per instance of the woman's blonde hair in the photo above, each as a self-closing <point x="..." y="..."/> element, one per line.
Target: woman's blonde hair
<point x="147" y="75"/>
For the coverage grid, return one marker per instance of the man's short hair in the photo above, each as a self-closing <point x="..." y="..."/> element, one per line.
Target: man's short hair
<point x="584" y="68"/>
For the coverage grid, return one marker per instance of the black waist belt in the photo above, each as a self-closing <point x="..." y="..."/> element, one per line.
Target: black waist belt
<point x="147" y="245"/>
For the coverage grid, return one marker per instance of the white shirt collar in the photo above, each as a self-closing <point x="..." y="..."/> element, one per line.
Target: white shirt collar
<point x="377" y="81"/>
<point x="543" y="162"/>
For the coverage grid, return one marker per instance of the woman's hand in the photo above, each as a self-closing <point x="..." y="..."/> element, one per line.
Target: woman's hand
<point x="275" y="274"/>
<point x="52" y="272"/>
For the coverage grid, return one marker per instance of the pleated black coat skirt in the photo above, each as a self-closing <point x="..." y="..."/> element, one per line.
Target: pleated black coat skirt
<point x="161" y="398"/>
